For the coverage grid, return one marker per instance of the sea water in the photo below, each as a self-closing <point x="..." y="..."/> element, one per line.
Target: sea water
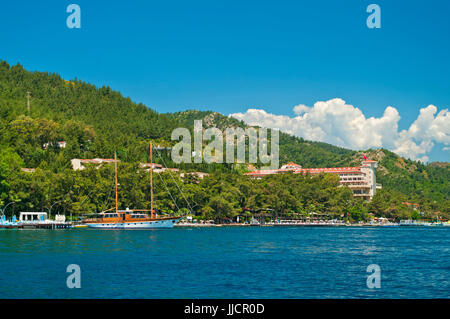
<point x="227" y="262"/>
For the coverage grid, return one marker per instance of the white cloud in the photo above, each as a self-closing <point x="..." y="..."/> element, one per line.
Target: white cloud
<point x="342" y="124"/>
<point x="426" y="130"/>
<point x="301" y="108"/>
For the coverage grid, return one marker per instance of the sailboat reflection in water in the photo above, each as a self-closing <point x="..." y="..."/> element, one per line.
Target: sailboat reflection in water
<point x="131" y="219"/>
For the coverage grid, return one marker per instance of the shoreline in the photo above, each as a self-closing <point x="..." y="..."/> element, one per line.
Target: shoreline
<point x="68" y="225"/>
<point x="302" y="225"/>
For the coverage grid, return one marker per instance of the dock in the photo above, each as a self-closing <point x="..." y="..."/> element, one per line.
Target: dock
<point x="38" y="226"/>
<point x="39" y="220"/>
<point x="10" y="226"/>
<point x="45" y="225"/>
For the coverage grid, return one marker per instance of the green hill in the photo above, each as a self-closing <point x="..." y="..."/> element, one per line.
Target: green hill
<point x="428" y="185"/>
<point x="93" y="121"/>
<point x="96" y="122"/>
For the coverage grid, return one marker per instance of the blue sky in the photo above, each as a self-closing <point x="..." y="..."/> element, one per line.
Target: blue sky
<point x="230" y="56"/>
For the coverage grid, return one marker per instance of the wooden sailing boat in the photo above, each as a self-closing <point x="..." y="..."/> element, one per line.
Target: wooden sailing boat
<point x="131" y="219"/>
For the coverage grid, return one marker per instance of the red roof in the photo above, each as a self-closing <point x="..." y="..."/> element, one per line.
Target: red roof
<point x="293" y="164"/>
<point x="409" y="204"/>
<point x="309" y="170"/>
<point x="338" y="170"/>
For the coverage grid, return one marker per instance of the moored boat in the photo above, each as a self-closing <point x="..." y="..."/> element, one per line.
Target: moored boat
<point x="131" y="219"/>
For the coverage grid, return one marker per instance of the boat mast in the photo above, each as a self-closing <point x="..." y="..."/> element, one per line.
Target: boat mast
<point x="151" y="179"/>
<point x="115" y="171"/>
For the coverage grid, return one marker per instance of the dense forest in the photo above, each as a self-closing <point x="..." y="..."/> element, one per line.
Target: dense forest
<point x="96" y="122"/>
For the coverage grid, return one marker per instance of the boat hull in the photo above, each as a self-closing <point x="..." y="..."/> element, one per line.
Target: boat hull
<point x="165" y="223"/>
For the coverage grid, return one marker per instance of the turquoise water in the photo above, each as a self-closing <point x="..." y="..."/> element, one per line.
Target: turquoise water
<point x="226" y="262"/>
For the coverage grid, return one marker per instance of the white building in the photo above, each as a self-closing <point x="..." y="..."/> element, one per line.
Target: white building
<point x="199" y="175"/>
<point x="30" y="217"/>
<point x="77" y="164"/>
<point x="361" y="179"/>
<point x="291" y="166"/>
<point x="60" y="144"/>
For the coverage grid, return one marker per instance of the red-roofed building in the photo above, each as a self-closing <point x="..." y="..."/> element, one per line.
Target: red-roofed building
<point x="413" y="205"/>
<point x="361" y="180"/>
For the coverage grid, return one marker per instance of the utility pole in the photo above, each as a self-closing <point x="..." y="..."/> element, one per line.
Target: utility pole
<point x="28" y="102"/>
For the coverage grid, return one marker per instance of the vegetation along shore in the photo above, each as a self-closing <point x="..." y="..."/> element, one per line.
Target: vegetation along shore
<point x="67" y="120"/>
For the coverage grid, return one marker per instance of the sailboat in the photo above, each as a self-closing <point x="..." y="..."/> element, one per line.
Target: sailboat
<point x="131" y="219"/>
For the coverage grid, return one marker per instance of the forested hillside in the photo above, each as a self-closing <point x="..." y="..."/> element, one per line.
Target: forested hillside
<point x="96" y="122"/>
<point x="93" y="121"/>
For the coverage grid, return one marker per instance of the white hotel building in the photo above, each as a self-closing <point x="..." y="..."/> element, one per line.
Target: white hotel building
<point x="361" y="179"/>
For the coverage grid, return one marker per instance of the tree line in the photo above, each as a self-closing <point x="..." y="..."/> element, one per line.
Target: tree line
<point x="96" y="122"/>
<point x="220" y="196"/>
